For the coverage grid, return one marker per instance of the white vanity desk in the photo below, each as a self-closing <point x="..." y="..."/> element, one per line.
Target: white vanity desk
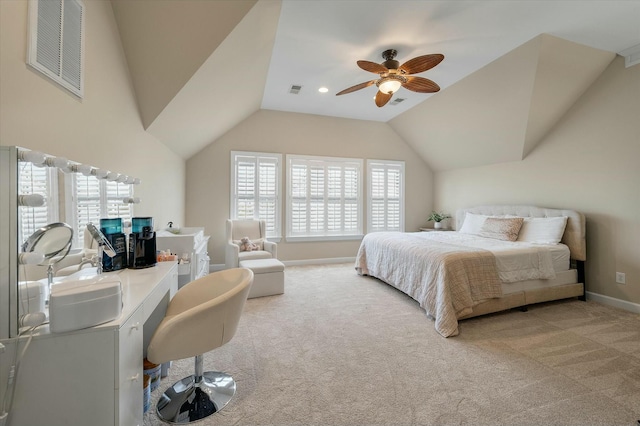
<point x="93" y="376"/>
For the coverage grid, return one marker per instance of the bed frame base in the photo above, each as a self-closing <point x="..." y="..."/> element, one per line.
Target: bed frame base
<point x="522" y="299"/>
<point x="581" y="279"/>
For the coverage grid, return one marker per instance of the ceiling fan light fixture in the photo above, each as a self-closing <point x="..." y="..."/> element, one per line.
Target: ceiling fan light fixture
<point x="389" y="86"/>
<point x="392" y="76"/>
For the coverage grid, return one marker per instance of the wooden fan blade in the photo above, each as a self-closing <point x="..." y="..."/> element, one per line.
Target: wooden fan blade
<point x="382" y="98"/>
<point x="356" y="87"/>
<point x="421" y="85"/>
<point x="372" y="67"/>
<point x="421" y="63"/>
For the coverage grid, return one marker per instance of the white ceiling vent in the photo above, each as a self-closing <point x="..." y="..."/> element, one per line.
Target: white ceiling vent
<point x="56" y="41"/>
<point x="396" y="101"/>
<point x="631" y="55"/>
<point x="295" y="89"/>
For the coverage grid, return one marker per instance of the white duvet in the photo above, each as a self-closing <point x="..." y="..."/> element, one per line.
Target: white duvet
<point x="448" y="273"/>
<point x="516" y="261"/>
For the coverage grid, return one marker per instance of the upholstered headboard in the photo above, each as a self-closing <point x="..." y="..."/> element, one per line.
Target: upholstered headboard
<point x="574" y="234"/>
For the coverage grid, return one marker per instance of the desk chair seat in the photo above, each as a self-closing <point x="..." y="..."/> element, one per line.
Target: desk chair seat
<point x="202" y="316"/>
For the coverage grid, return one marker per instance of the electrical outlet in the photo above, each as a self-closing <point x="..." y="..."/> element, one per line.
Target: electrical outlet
<point x="620" y="277"/>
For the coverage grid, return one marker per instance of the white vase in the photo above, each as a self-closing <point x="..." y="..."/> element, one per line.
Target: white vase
<point x="437" y="225"/>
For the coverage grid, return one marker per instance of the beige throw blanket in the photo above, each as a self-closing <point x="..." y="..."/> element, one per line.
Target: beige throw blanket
<point x="447" y="280"/>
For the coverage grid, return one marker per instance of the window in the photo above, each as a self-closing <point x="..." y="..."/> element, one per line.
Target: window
<point x="255" y="188"/>
<point x="94" y="199"/>
<point x="385" y="204"/>
<point x="324" y="198"/>
<point x="37" y="180"/>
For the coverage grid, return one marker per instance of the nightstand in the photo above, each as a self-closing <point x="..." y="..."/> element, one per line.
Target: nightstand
<point x="433" y="229"/>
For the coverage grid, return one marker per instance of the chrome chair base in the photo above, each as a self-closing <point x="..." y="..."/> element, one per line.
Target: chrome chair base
<point x="188" y="401"/>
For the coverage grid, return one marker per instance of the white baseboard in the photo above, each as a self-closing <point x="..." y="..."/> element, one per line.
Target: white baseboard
<point x="214" y="267"/>
<point x="319" y="261"/>
<point x="612" y="301"/>
<point x="220" y="266"/>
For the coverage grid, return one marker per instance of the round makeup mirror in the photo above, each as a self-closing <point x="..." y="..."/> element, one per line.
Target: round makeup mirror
<point x="53" y="241"/>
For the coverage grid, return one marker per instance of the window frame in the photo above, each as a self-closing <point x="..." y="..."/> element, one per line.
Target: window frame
<point x="325" y="162"/>
<point x="276" y="234"/>
<point x="71" y="204"/>
<point x="386" y="165"/>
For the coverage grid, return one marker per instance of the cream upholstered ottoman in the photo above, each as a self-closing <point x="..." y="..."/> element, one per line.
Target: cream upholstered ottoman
<point x="268" y="276"/>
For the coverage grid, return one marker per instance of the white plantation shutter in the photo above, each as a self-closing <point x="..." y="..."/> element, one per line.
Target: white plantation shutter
<point x="37" y="180"/>
<point x="87" y="204"/>
<point x="246" y="188"/>
<point x="297" y="211"/>
<point x="255" y="188"/>
<point x="94" y="199"/>
<point x="386" y="195"/>
<point x="268" y="193"/>
<point x="324" y="197"/>
<point x="114" y="207"/>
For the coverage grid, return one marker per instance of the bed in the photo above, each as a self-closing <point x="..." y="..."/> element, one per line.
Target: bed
<point x="483" y="267"/>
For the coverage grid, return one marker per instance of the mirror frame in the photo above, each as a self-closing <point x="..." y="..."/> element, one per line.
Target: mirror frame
<point x="39" y="238"/>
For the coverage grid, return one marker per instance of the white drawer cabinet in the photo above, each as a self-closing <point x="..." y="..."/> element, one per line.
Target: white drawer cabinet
<point x="92" y="376"/>
<point x="192" y="242"/>
<point x="130" y="365"/>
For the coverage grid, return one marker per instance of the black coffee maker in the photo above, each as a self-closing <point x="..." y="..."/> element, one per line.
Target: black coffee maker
<point x="142" y="243"/>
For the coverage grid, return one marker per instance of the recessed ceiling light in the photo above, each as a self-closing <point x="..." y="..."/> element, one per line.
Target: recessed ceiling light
<point x="323" y="90"/>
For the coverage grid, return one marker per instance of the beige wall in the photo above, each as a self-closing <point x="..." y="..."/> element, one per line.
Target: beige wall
<point x="588" y="162"/>
<point x="208" y="172"/>
<point x="167" y="43"/>
<point x="103" y="129"/>
<point x="500" y="112"/>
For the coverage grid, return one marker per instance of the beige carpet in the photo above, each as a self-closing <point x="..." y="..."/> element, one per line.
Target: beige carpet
<point x="340" y="349"/>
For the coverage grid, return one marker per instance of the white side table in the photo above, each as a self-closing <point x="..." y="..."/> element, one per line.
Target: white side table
<point x="433" y="229"/>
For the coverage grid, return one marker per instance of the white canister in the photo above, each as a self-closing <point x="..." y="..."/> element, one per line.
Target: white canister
<point x="164" y="370"/>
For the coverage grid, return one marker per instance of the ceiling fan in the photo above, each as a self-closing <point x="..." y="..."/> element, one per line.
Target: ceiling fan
<point x="393" y="75"/>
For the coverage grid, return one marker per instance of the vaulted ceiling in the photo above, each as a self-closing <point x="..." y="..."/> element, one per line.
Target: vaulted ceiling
<point x="511" y="69"/>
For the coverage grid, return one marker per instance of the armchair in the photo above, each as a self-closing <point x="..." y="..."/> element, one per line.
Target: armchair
<point x="256" y="231"/>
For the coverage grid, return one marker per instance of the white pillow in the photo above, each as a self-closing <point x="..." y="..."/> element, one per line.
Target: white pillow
<point x="542" y="230"/>
<point x="472" y="223"/>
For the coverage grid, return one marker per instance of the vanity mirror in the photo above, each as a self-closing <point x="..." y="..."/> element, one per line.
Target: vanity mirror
<point x="53" y="241"/>
<point x="46" y="203"/>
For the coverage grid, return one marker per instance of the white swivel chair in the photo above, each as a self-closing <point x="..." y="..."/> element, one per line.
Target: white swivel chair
<point x="202" y="316"/>
<point x="256" y="231"/>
